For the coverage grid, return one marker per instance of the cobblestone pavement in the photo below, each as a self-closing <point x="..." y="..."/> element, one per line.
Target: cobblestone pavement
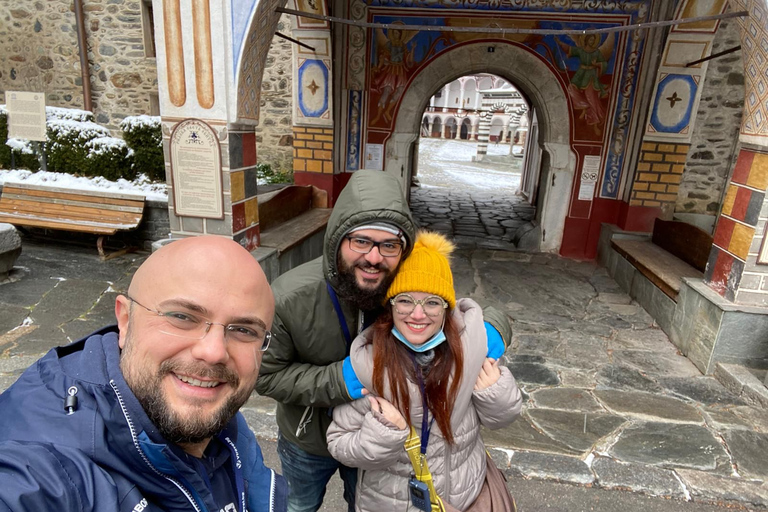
<point x="609" y="402"/>
<point x="474" y="218"/>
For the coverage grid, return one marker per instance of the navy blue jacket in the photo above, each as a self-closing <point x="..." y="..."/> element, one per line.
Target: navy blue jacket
<point x="107" y="455"/>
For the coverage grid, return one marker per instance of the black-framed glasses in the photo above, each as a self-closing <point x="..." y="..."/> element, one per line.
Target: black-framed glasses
<point x="388" y="248"/>
<point x="187" y="325"/>
<point x="405" y="304"/>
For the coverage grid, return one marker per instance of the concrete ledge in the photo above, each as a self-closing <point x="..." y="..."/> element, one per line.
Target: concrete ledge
<point x="707" y="328"/>
<point x="743" y="383"/>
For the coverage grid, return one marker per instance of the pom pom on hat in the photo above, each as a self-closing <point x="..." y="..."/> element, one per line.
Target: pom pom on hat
<point x="427" y="269"/>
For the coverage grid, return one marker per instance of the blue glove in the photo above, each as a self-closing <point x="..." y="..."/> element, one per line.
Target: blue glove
<point x="354" y="386"/>
<point x="496" y="346"/>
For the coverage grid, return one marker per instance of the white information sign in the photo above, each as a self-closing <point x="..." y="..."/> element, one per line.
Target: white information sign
<point x="26" y="115"/>
<point x="590" y="170"/>
<point x="196" y="170"/>
<point x="374" y="157"/>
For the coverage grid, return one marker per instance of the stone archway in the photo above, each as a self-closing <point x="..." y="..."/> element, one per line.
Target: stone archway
<point x="533" y="77"/>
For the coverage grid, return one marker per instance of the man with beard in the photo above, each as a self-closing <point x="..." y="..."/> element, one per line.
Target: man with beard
<point x="142" y="416"/>
<point x="320" y="307"/>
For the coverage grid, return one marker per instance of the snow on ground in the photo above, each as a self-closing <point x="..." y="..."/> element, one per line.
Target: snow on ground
<point x="141" y="185"/>
<point x="447" y="163"/>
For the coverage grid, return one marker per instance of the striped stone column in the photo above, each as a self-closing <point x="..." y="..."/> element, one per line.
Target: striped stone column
<point x="484" y="128"/>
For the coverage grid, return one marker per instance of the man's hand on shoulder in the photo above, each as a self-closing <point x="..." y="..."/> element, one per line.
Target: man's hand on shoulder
<point x="354" y="386"/>
<point x="496" y="346"/>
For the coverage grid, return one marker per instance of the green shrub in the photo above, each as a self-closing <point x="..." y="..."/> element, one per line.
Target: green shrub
<point x="144" y="137"/>
<point x="266" y="175"/>
<point x="67" y="144"/>
<point x="110" y="158"/>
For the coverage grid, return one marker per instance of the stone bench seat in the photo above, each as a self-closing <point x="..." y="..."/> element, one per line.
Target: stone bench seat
<point x="662" y="268"/>
<point x="293" y="232"/>
<point x="292" y="223"/>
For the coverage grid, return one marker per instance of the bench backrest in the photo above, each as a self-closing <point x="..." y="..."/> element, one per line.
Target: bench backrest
<point x="76" y="210"/>
<point x="686" y="241"/>
<point x="284" y="205"/>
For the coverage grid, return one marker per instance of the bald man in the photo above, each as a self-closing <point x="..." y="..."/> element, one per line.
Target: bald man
<point x="143" y="416"/>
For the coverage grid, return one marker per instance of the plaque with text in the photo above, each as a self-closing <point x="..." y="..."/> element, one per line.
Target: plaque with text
<point x="196" y="171"/>
<point x="26" y="115"/>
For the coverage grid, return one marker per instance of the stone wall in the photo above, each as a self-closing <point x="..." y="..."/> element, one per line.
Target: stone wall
<point x="714" y="145"/>
<point x="39" y="52"/>
<point x="274" y="137"/>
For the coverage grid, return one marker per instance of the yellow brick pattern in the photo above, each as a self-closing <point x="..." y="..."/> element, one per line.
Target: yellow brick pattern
<point x="658" y="175"/>
<point x="313" y="149"/>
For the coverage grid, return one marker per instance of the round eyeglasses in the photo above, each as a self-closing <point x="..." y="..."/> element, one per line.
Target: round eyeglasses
<point x="187" y="325"/>
<point x="405" y="304"/>
<point x="387" y="248"/>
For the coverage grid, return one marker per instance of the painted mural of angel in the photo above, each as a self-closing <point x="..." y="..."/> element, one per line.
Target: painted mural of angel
<point x="394" y="60"/>
<point x="586" y="90"/>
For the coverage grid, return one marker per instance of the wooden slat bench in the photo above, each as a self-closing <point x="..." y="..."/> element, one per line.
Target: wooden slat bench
<point x="676" y="250"/>
<point x="85" y="211"/>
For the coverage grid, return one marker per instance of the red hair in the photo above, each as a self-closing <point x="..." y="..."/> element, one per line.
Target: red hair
<point x="391" y="360"/>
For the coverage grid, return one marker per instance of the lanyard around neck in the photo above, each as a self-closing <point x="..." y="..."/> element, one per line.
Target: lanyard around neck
<point x="339" y="314"/>
<point x="236" y="470"/>
<point x="426" y="424"/>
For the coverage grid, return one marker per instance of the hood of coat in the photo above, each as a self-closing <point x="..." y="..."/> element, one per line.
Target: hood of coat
<point x="368" y="197"/>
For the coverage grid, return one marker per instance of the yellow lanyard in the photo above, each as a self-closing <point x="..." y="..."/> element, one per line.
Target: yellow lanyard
<point x="421" y="468"/>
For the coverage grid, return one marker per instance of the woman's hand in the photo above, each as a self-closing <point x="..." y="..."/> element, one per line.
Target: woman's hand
<point x="386" y="409"/>
<point x="489" y="374"/>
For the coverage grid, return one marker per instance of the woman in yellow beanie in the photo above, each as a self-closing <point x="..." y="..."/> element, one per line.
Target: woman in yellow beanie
<point x="432" y="387"/>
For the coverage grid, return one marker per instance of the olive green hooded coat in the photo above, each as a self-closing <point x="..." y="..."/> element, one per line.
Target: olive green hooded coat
<point x="302" y="369"/>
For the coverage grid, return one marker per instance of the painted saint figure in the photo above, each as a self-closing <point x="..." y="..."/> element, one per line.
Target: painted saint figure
<point x="586" y="90"/>
<point x="390" y="73"/>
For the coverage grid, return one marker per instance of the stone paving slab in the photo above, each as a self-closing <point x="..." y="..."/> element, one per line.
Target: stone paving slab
<point x="648" y="407"/>
<point x="613" y="474"/>
<point x="550" y="467"/>
<point x="579" y="431"/>
<point x="703" y="486"/>
<point x="670" y="445"/>
<point x="567" y="399"/>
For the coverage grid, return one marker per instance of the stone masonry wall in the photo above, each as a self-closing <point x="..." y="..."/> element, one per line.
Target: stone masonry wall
<point x="715" y="145"/>
<point x="274" y="136"/>
<point x="39" y="52"/>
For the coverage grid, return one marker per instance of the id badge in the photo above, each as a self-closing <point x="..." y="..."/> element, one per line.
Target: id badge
<point x="419" y="492"/>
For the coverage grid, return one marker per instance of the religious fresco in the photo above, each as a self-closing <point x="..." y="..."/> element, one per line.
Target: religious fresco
<point x="587" y="90"/>
<point x="599" y="72"/>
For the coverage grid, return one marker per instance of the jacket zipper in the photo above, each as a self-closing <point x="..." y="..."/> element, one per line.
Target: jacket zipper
<point x="304" y="421"/>
<point x="141" y="453"/>
<point x="271" y="491"/>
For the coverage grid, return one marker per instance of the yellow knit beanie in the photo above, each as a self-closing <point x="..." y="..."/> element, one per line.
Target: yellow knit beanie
<point x="426" y="269"/>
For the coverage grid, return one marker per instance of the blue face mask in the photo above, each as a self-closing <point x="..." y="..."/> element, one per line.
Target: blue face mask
<point x="431" y="343"/>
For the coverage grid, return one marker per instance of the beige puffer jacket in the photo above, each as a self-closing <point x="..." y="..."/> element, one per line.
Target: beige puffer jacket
<point x="359" y="437"/>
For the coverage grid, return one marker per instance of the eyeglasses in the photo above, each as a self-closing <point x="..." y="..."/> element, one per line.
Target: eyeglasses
<point x="187" y="325"/>
<point x="405" y="304"/>
<point x="387" y="248"/>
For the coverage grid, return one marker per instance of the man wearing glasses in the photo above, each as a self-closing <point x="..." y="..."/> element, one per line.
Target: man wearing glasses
<point x="320" y="307"/>
<point x="143" y="416"/>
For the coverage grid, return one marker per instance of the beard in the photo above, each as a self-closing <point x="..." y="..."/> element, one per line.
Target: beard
<point x="364" y="299"/>
<point x="194" y="427"/>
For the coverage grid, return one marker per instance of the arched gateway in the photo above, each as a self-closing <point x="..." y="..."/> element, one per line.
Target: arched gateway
<point x="536" y="81"/>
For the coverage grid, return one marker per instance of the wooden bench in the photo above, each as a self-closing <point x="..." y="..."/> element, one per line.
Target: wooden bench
<point x="291" y="215"/>
<point x="676" y="250"/>
<point x="85" y="211"/>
